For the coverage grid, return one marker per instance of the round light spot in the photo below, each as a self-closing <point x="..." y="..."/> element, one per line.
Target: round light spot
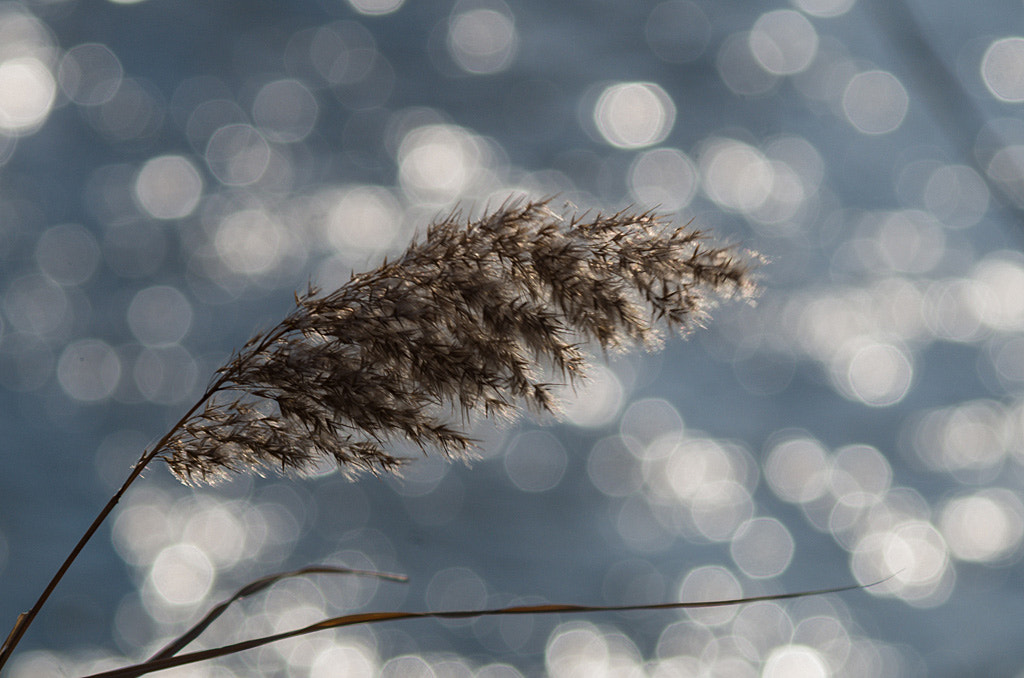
<point x="34" y="304"/>
<point x="423" y="477"/>
<point x="640" y="529"/>
<point x="437" y="163"/>
<point x="181" y="575"/>
<point x="344" y="661"/>
<point x="915" y="557"/>
<point x="596" y="401"/>
<point x="663" y="178"/>
<point x="250" y="242"/>
<point x="25" y="362"/>
<point x="24" y="34"/>
<point x="483" y="41"/>
<point x="739" y="70"/>
<point x="68" y="254"/>
<point x="954" y="309"/>
<point x="208" y="117"/>
<point x="711" y="582"/>
<point x="1005" y="167"/>
<point x="736" y="176"/>
<point x="798" y="470"/>
<point x="89" y="370"/>
<point x="218" y="532"/>
<point x="859" y="470"/>
<point x="909" y="241"/>
<point x="634" y="114"/>
<point x="876" y="374"/>
<point x="535" y="461"/>
<point x="612" y="468"/>
<point x="972" y="436"/>
<point x="795" y="661"/>
<point x="1002" y="281"/>
<point x="784" y="42"/>
<point x="801" y="157"/>
<point x="375" y="7"/>
<point x="651" y="420"/>
<point x="579" y="649"/>
<point x="719" y="508"/>
<point x="406" y="666"/>
<point x="285" y="110"/>
<point x="165" y="375"/>
<point x="343" y="53"/>
<point x="784" y="201"/>
<point x="27" y="92"/>
<point x="159" y="316"/>
<point x="90" y="74"/>
<point x="1007" y="359"/>
<point x="984" y="527"/>
<point x="875" y="102"/>
<point x="134" y="112"/>
<point x="1002" y="69"/>
<point x="762" y="547"/>
<point x="956" y="195"/>
<point x="699" y="468"/>
<point x="762" y="625"/>
<point x="707" y="479"/>
<point x="576" y="649"/>
<point x="238" y="155"/>
<point x="168" y="187"/>
<point x="824" y="9"/>
<point x="364" y="220"/>
<point x="498" y="671"/>
<point x="33" y="663"/>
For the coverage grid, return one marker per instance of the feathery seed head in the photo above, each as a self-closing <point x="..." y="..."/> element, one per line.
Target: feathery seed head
<point x="463" y="323"/>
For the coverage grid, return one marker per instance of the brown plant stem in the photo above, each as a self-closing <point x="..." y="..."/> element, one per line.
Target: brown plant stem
<point x="168" y="662"/>
<point x="258" y="586"/>
<point x="25" y="619"/>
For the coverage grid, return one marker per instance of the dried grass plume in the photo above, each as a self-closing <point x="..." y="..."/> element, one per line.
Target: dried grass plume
<point x="466" y="322"/>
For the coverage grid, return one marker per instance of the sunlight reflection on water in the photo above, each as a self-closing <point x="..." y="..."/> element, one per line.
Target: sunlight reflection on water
<point x="328" y="145"/>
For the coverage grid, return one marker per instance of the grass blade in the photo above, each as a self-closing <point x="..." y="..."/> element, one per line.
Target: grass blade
<point x="257" y="586"/>
<point x="379" y="617"/>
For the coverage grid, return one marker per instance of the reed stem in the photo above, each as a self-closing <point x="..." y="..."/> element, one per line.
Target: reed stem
<point x="25" y="619"/>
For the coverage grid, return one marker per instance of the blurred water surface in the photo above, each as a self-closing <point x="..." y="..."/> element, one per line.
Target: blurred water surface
<point x="170" y="172"/>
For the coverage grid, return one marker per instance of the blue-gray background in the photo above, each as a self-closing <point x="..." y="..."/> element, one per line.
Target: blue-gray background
<point x="171" y="171"/>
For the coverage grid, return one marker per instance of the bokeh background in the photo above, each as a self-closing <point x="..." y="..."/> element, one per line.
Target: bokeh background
<point x="171" y="171"/>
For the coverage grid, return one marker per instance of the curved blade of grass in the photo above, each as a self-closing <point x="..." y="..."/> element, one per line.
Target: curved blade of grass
<point x="378" y="617"/>
<point x="254" y="587"/>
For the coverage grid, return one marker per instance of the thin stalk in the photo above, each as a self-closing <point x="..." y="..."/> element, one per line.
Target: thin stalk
<point x="167" y="662"/>
<point x="25" y="619"/>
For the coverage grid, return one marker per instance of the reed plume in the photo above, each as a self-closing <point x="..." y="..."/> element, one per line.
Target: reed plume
<point x="466" y="322"/>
